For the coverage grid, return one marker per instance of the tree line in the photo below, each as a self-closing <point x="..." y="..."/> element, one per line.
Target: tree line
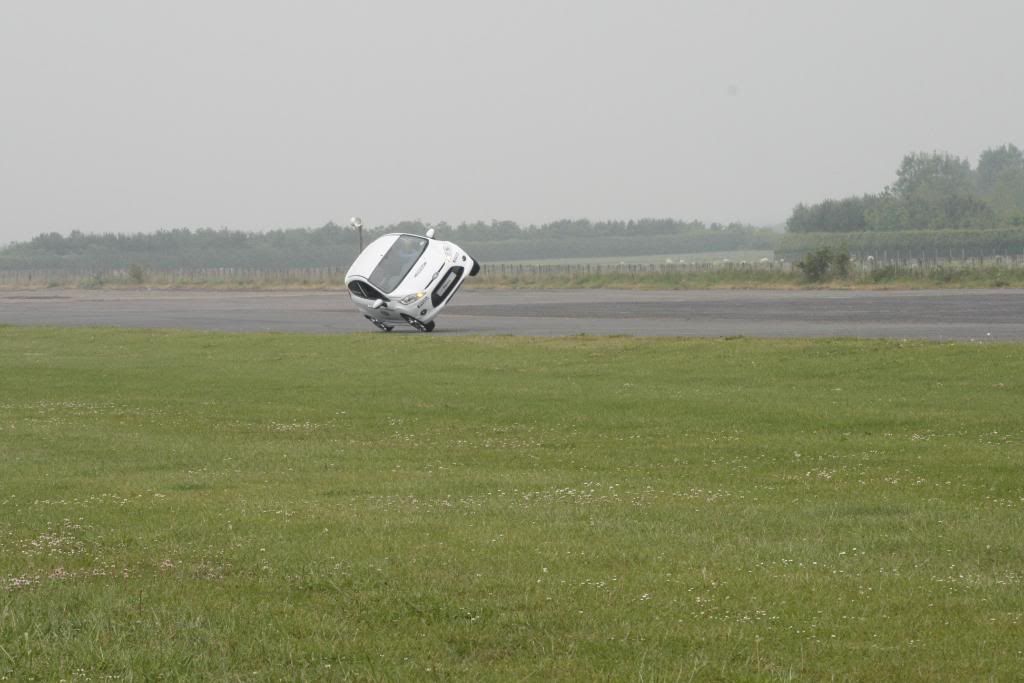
<point x="976" y="209"/>
<point x="334" y="245"/>
<point x="932" y="191"/>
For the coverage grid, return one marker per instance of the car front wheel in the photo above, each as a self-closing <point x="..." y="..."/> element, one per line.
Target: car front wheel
<point x="419" y="325"/>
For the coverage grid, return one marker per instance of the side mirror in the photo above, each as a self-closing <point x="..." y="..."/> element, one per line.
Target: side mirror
<point x="430" y="234"/>
<point x="377" y="304"/>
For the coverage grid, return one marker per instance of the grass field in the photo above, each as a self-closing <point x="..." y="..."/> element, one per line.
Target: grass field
<point x="187" y="505"/>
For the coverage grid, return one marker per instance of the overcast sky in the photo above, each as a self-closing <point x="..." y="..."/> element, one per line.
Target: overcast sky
<point x="138" y="116"/>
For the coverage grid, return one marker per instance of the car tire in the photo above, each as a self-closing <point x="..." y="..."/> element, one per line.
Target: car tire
<point x="418" y="325"/>
<point x="476" y="268"/>
<point x="379" y="324"/>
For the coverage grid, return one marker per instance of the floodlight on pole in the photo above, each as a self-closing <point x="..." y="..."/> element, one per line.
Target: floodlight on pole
<point x="357" y="223"/>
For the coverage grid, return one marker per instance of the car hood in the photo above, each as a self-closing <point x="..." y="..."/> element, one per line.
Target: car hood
<point x="431" y="262"/>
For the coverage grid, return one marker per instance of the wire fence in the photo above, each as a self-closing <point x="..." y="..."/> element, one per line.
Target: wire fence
<point x="898" y="264"/>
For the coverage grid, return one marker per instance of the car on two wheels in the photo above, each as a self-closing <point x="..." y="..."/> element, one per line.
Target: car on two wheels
<point x="406" y="279"/>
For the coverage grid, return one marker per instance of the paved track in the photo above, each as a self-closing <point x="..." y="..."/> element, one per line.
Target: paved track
<point x="939" y="315"/>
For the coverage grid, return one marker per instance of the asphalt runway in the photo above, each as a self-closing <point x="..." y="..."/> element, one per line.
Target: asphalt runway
<point x="991" y="315"/>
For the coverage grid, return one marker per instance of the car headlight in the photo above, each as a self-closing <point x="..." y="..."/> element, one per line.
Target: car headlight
<point x="411" y="298"/>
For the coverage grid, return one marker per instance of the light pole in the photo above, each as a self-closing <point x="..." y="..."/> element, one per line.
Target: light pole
<point x="357" y="223"/>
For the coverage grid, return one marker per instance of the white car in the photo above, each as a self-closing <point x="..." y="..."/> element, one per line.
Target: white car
<point x="404" y="279"/>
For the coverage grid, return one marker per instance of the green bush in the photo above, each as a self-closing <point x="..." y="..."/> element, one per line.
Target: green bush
<point x="135" y="274"/>
<point x="824" y="264"/>
<point x="884" y="274"/>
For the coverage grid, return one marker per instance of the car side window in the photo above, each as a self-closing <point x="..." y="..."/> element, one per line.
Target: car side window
<point x="365" y="291"/>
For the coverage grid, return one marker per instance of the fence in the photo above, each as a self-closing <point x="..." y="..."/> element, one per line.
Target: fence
<point x="899" y="264"/>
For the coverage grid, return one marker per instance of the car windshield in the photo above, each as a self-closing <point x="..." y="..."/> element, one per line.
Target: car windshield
<point x="397" y="262"/>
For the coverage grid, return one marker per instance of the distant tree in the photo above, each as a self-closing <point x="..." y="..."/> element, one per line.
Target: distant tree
<point x="832" y="215"/>
<point x="936" y="173"/>
<point x="801" y="219"/>
<point x="999" y="163"/>
<point x="933" y="191"/>
<point x="1000" y="181"/>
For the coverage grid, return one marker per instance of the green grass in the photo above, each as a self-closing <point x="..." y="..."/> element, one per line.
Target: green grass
<point x="411" y="507"/>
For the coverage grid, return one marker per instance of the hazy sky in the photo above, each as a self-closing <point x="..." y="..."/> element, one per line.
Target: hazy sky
<point x="136" y="116"/>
